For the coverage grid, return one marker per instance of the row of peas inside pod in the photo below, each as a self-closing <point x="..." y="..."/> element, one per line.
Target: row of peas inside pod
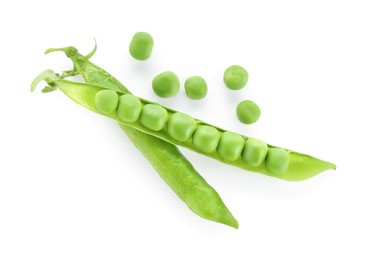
<point x="190" y="132"/>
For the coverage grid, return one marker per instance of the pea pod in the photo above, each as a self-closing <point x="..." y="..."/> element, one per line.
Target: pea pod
<point x="299" y="166"/>
<point x="166" y="159"/>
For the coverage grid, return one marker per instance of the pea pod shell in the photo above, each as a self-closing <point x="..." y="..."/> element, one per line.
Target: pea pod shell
<point x="301" y="166"/>
<point x="160" y="158"/>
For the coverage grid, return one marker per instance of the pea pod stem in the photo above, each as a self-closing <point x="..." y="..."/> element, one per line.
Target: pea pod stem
<point x="165" y="157"/>
<point x="301" y="166"/>
<point x="47" y="75"/>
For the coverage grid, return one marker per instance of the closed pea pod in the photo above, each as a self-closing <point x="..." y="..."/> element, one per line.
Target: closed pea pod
<point x="129" y="108"/>
<point x="166" y="159"/>
<point x="185" y="181"/>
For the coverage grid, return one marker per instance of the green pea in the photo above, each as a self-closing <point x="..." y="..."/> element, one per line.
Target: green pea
<point x="277" y="160"/>
<point x="254" y="152"/>
<point x="206" y="138"/>
<point x="153" y="117"/>
<point x="248" y="112"/>
<point x="166" y="84"/>
<point x="230" y="146"/>
<point x="106" y="101"/>
<point x="129" y="108"/>
<point x="196" y="87"/>
<point x="141" y="46"/>
<point x="235" y="77"/>
<point x="181" y="126"/>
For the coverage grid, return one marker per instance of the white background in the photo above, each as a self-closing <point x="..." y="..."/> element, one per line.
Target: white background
<point x="72" y="186"/>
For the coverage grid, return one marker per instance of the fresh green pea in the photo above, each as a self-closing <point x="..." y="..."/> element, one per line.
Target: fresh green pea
<point x="206" y="138"/>
<point x="235" y="77"/>
<point x="141" y="46"/>
<point x="166" y="84"/>
<point x="277" y="160"/>
<point x="181" y="126"/>
<point x="230" y="146"/>
<point x="153" y="117"/>
<point x="254" y="152"/>
<point x="196" y="87"/>
<point x="248" y="112"/>
<point x="106" y="101"/>
<point x="129" y="108"/>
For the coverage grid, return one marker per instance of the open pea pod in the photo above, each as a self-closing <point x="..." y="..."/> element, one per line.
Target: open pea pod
<point x="204" y="138"/>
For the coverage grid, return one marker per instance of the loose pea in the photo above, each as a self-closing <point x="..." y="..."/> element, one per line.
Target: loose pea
<point x="141" y="46"/>
<point x="166" y="84"/>
<point x="248" y="112"/>
<point x="230" y="146"/>
<point x="206" y="138"/>
<point x="153" y="117"/>
<point x="277" y="160"/>
<point x="235" y="77"/>
<point x="106" y="101"/>
<point x="196" y="87"/>
<point x="129" y="108"/>
<point x="254" y="152"/>
<point x="181" y="126"/>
